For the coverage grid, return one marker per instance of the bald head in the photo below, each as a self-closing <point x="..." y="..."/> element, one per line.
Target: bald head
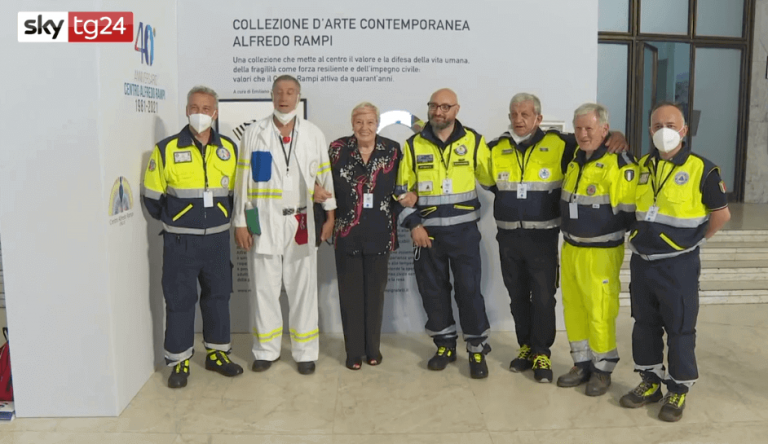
<point x="443" y="107"/>
<point x="444" y="95"/>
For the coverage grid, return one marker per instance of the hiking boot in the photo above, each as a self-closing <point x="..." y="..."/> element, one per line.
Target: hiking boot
<point x="598" y="384"/>
<point x="219" y="362"/>
<point x="442" y="357"/>
<point x="577" y="375"/>
<point x="478" y="368"/>
<point x="179" y="375"/>
<point x="523" y="361"/>
<point x="672" y="407"/>
<point x="542" y="368"/>
<point x="646" y="392"/>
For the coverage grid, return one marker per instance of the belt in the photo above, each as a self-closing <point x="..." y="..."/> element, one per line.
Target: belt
<point x="294" y="210"/>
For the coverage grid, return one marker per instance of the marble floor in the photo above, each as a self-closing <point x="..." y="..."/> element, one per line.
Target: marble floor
<point x="403" y="402"/>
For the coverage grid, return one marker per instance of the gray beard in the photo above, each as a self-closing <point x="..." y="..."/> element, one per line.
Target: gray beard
<point x="440" y="126"/>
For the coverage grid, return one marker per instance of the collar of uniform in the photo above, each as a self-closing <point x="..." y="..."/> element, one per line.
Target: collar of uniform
<point x="458" y="133"/>
<point x="678" y="159"/>
<point x="186" y="138"/>
<point x="581" y="156"/>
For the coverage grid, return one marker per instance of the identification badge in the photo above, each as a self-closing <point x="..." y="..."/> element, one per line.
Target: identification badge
<point x="425" y="186"/>
<point x="503" y="176"/>
<point x="368" y="200"/>
<point x="573" y="210"/>
<point x="522" y="191"/>
<point x="447" y="186"/>
<point x="208" y="199"/>
<point x="182" y="156"/>
<point x="650" y="216"/>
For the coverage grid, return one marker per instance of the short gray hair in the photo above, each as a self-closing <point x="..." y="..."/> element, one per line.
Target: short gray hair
<point x="286" y="77"/>
<point x="525" y="97"/>
<point x="203" y="90"/>
<point x="597" y="109"/>
<point x="363" y="105"/>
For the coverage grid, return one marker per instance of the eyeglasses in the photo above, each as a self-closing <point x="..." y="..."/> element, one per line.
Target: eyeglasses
<point x="444" y="107"/>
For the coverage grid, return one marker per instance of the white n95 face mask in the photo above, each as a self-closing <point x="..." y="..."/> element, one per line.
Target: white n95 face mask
<point x="666" y="139"/>
<point x="519" y="139"/>
<point x="200" y="122"/>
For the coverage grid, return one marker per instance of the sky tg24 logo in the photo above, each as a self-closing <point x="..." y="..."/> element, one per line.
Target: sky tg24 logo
<point x="83" y="27"/>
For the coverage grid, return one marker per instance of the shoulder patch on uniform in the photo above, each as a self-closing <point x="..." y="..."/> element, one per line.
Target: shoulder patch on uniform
<point x="152" y="165"/>
<point x="629" y="175"/>
<point x="722" y="187"/>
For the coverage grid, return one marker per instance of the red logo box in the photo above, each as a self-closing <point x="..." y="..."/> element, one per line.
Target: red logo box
<point x="89" y="27"/>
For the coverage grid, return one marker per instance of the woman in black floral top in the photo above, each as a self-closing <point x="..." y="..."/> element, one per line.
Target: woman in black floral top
<point x="364" y="168"/>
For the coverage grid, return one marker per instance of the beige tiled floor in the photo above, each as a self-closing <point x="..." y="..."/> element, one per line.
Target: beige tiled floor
<point x="403" y="402"/>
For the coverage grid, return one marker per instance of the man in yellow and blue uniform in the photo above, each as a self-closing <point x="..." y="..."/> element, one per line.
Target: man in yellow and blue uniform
<point x="188" y="186"/>
<point x="525" y="169"/>
<point x="681" y="202"/>
<point x="436" y="182"/>
<point x="597" y="207"/>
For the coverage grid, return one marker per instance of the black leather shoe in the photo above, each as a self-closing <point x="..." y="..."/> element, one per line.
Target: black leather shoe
<point x="261" y="365"/>
<point x="179" y="375"/>
<point x="306" y="368"/>
<point x="442" y="357"/>
<point x="219" y="362"/>
<point x="577" y="375"/>
<point x="598" y="384"/>
<point x="478" y="368"/>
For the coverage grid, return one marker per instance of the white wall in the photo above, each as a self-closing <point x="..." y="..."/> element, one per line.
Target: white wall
<point x="558" y="63"/>
<point x="126" y="138"/>
<point x="78" y="288"/>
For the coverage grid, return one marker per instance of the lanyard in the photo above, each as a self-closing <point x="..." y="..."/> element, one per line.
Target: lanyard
<point x="290" y="149"/>
<point x="656" y="190"/>
<point x="522" y="163"/>
<point x="442" y="157"/>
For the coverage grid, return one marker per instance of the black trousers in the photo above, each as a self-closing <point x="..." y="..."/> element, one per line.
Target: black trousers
<point x="187" y="260"/>
<point x="665" y="297"/>
<point x="530" y="270"/>
<point x="362" y="280"/>
<point x="454" y="249"/>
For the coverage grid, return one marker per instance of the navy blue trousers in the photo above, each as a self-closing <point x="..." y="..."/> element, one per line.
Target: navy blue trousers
<point x="189" y="260"/>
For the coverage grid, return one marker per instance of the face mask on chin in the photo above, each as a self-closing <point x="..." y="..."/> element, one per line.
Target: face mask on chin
<point x="666" y="139"/>
<point x="200" y="122"/>
<point x="287" y="117"/>
<point x="519" y="139"/>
